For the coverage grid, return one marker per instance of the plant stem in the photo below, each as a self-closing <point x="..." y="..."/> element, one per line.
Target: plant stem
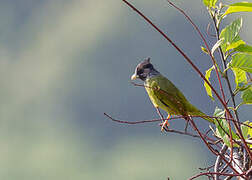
<point x="224" y="64"/>
<point x="218" y="160"/>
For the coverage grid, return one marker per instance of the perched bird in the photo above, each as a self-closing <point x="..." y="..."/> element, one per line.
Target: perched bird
<point x="164" y="94"/>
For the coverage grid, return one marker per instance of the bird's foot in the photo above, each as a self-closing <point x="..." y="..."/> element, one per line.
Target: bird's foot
<point x="186" y="126"/>
<point x="164" y="125"/>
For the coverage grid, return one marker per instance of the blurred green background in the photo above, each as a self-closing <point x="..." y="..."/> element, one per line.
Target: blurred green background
<point x="64" y="63"/>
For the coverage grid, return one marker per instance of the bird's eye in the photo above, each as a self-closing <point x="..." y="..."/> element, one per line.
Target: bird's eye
<point x="140" y="71"/>
<point x="148" y="66"/>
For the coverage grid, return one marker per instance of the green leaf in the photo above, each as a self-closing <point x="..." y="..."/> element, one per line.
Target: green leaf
<point x="239" y="7"/>
<point x="245" y="129"/>
<point x="210" y="3"/>
<point x="246" y="87"/>
<point x="222" y="129"/>
<point x="217" y="44"/>
<point x="221" y="124"/>
<point x="242" y="61"/>
<point x="247" y="96"/>
<point x="235" y="44"/>
<point x="230" y="33"/>
<point x="240" y="77"/>
<point x="250" y="129"/>
<point x="244" y="48"/>
<point x="207" y="87"/>
<point x="206" y="2"/>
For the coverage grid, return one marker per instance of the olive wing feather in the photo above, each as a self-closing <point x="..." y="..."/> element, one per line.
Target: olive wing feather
<point x="169" y="95"/>
<point x="172" y="99"/>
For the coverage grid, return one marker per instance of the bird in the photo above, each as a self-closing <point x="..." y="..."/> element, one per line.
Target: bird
<point x="164" y="94"/>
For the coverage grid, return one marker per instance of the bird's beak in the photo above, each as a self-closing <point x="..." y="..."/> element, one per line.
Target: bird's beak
<point x="134" y="77"/>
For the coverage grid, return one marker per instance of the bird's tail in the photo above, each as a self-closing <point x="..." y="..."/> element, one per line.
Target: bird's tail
<point x="203" y="115"/>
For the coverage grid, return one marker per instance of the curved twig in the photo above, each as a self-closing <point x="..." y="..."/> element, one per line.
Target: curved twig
<point x="218" y="160"/>
<point x="220" y="174"/>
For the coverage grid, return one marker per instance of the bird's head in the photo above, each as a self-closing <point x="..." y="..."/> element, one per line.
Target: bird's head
<point x="144" y="70"/>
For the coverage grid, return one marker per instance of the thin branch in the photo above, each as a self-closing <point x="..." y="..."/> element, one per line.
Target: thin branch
<point x="224" y="168"/>
<point x="228" y="178"/>
<point x="158" y="120"/>
<point x="249" y="172"/>
<point x="182" y="132"/>
<point x="207" y="30"/>
<point x="220" y="174"/>
<point x="153" y="120"/>
<point x="132" y="122"/>
<point x="217" y="31"/>
<point x="205" y="134"/>
<point x="206" y="168"/>
<point x="218" y="160"/>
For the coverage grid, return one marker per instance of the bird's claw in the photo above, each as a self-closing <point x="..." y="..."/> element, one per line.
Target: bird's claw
<point x="164" y="125"/>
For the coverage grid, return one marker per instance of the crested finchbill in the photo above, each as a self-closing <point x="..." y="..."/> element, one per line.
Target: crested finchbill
<point x="163" y="93"/>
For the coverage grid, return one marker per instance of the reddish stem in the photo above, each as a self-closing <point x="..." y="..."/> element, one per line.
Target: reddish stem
<point x="213" y="173"/>
<point x="132" y="122"/>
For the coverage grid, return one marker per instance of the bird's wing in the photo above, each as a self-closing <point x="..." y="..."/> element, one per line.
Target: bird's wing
<point x="173" y="101"/>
